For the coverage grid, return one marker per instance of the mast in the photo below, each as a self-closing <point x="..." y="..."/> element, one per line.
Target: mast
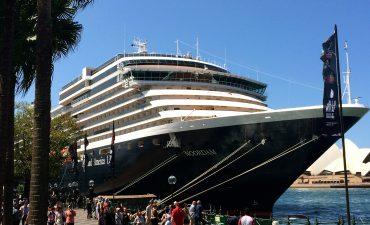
<point x="342" y="127"/>
<point x="177" y="48"/>
<point x="124" y="39"/>
<point x="198" y="56"/>
<point x="347" y="87"/>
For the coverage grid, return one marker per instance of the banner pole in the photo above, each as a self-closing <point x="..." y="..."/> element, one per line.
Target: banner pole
<point x="342" y="126"/>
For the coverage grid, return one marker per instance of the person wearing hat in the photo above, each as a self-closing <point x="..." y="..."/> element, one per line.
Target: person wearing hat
<point x="70" y="215"/>
<point x="178" y="215"/>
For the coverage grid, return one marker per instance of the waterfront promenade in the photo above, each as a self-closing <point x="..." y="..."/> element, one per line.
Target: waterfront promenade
<point x="81" y="219"/>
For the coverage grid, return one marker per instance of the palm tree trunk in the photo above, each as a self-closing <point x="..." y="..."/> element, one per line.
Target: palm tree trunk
<point x="41" y="136"/>
<point x="9" y="157"/>
<point x="7" y="83"/>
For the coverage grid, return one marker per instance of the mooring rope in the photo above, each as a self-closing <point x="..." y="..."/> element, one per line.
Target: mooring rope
<point x="147" y="173"/>
<point x="205" y="173"/>
<point x="61" y="180"/>
<point x="185" y="189"/>
<point x="285" y="152"/>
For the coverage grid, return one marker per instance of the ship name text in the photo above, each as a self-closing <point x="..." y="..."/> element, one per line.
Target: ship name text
<point x="202" y="152"/>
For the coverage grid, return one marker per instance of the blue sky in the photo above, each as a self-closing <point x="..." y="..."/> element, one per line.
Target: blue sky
<point x="280" y="39"/>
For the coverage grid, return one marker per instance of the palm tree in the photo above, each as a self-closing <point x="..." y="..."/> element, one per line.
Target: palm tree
<point x="7" y="83"/>
<point x="41" y="138"/>
<point x="22" y="50"/>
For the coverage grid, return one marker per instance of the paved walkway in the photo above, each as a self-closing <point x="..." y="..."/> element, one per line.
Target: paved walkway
<point x="81" y="219"/>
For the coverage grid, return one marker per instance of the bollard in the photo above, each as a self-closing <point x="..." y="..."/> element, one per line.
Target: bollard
<point x="316" y="221"/>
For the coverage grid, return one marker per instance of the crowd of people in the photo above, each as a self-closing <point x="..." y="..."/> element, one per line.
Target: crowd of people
<point x="107" y="213"/>
<point x="154" y="214"/>
<point x="20" y="211"/>
<point x="57" y="216"/>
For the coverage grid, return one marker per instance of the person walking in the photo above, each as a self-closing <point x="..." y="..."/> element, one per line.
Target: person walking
<point x="109" y="216"/>
<point x="118" y="217"/>
<point x="154" y="220"/>
<point x="59" y="216"/>
<point x="198" y="213"/>
<point x="246" y="219"/>
<point x="168" y="220"/>
<point x="17" y="215"/>
<point x="139" y="219"/>
<point x="70" y="215"/>
<point x="89" y="206"/>
<point x="51" y="216"/>
<point x="148" y="211"/>
<point x="24" y="211"/>
<point x="125" y="217"/>
<point x="177" y="215"/>
<point x="232" y="219"/>
<point x="186" y="214"/>
<point x="192" y="212"/>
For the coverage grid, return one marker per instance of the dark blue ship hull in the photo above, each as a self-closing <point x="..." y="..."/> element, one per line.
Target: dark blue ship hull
<point x="256" y="163"/>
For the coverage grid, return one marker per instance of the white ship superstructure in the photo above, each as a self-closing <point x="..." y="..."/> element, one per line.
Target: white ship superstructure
<point x="140" y="91"/>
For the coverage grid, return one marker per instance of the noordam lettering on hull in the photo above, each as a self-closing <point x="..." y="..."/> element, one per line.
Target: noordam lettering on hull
<point x="200" y="152"/>
<point x="162" y="115"/>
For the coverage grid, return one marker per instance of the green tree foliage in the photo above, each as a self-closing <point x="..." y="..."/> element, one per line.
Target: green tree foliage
<point x="66" y="34"/>
<point x="63" y="132"/>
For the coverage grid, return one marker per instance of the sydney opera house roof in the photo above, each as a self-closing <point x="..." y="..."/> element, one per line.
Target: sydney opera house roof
<point x="331" y="162"/>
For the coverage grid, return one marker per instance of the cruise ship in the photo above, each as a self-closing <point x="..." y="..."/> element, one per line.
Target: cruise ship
<point x="177" y="115"/>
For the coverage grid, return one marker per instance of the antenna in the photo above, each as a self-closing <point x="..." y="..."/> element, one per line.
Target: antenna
<point x="198" y="56"/>
<point x="347" y="87"/>
<point x="177" y="48"/>
<point x="225" y="59"/>
<point x="140" y="45"/>
<point x="124" y="39"/>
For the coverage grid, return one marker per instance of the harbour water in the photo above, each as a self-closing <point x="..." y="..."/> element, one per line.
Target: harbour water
<point x="325" y="204"/>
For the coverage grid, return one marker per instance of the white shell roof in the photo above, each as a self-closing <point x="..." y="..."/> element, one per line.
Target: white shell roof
<point x="332" y="160"/>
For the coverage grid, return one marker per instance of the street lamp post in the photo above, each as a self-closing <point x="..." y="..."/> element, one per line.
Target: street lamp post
<point x="74" y="193"/>
<point x="91" y="190"/>
<point x="172" y="181"/>
<point x="55" y="189"/>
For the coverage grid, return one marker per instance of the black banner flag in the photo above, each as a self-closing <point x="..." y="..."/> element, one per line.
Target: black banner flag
<point x="86" y="142"/>
<point x="331" y="91"/>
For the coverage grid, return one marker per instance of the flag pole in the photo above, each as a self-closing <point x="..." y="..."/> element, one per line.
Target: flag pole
<point x="342" y="126"/>
<point x="86" y="143"/>
<point x="113" y="157"/>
